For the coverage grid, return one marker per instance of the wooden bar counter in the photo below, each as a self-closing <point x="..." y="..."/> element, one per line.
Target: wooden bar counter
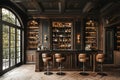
<point x="71" y="59"/>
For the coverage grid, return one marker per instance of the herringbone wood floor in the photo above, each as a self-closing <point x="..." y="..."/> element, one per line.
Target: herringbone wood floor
<point x="27" y="72"/>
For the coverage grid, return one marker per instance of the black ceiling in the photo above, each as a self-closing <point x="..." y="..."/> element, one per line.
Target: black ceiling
<point x="53" y="7"/>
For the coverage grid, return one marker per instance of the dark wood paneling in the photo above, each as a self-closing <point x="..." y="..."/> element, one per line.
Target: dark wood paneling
<point x="30" y="56"/>
<point x="71" y="60"/>
<point x="109" y="45"/>
<point x="78" y="29"/>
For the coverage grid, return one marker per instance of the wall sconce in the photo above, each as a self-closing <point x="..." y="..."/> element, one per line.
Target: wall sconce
<point x="78" y="38"/>
<point x="45" y="38"/>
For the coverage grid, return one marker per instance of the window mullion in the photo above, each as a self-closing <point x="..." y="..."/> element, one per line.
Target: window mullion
<point x="1" y="55"/>
<point x="15" y="46"/>
<point x="9" y="47"/>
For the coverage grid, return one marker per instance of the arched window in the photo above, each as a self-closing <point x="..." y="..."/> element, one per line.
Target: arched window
<point x="11" y="39"/>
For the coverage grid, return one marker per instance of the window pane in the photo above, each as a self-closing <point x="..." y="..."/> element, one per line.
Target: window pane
<point x="12" y="30"/>
<point x="5" y="36"/>
<point x="8" y="16"/>
<point x="18" y="31"/>
<point x="5" y="47"/>
<point x="11" y="39"/>
<point x="12" y="56"/>
<point x="18" y="43"/>
<point x="18" y="23"/>
<point x="18" y="56"/>
<point x="12" y="46"/>
<point x="18" y="37"/>
<point x="5" y="58"/>
<point x="12" y="17"/>
<point x="5" y="15"/>
<point x="18" y="46"/>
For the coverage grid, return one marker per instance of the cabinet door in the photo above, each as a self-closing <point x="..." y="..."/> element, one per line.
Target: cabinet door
<point x="30" y="56"/>
<point x="117" y="57"/>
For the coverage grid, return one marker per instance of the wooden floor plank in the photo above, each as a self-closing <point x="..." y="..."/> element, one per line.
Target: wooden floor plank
<point x="27" y="72"/>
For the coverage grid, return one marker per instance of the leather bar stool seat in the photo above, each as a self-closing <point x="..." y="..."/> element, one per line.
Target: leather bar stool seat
<point x="100" y="59"/>
<point x="82" y="57"/>
<point x="59" y="59"/>
<point x="46" y="59"/>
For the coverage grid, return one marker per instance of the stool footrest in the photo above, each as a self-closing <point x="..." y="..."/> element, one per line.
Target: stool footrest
<point x="60" y="67"/>
<point x="48" y="73"/>
<point x="60" y="73"/>
<point x="84" y="73"/>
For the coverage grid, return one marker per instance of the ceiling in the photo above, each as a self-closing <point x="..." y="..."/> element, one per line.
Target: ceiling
<point x="64" y="7"/>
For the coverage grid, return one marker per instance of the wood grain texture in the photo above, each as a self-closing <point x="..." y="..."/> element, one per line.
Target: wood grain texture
<point x="27" y="72"/>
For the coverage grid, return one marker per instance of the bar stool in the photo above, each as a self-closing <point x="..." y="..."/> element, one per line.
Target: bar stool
<point x="83" y="58"/>
<point x="46" y="59"/>
<point x="100" y="59"/>
<point x="59" y="59"/>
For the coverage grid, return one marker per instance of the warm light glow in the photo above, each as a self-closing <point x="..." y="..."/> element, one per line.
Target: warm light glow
<point x="78" y="38"/>
<point x="45" y="38"/>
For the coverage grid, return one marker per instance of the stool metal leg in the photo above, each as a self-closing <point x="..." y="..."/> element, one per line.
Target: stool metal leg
<point x="60" y="70"/>
<point x="48" y="71"/>
<point x="83" y="72"/>
<point x="101" y="70"/>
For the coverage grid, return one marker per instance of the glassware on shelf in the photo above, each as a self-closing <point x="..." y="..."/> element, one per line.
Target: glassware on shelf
<point x="90" y="34"/>
<point x="32" y="34"/>
<point x="61" y="34"/>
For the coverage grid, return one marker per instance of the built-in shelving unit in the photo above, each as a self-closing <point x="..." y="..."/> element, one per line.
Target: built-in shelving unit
<point x="61" y="35"/>
<point x="32" y="35"/>
<point x="90" y="35"/>
<point x="118" y="37"/>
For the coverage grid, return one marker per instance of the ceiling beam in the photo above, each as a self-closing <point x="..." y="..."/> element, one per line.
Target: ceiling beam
<point x="18" y="1"/>
<point x="61" y="5"/>
<point x="36" y="5"/>
<point x="106" y="7"/>
<point x="88" y="7"/>
<point x="57" y="16"/>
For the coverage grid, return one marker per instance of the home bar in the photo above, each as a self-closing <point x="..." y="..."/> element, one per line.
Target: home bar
<point x="70" y="35"/>
<point x="60" y="36"/>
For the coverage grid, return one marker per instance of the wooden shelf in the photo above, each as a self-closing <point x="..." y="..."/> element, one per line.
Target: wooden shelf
<point x="89" y="27"/>
<point x="90" y="34"/>
<point x="118" y="37"/>
<point x="61" y="35"/>
<point x="33" y="31"/>
<point x="33" y="27"/>
<point x="115" y="23"/>
<point x="90" y="37"/>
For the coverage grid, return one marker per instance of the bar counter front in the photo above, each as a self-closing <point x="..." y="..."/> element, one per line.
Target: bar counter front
<point x="71" y="61"/>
